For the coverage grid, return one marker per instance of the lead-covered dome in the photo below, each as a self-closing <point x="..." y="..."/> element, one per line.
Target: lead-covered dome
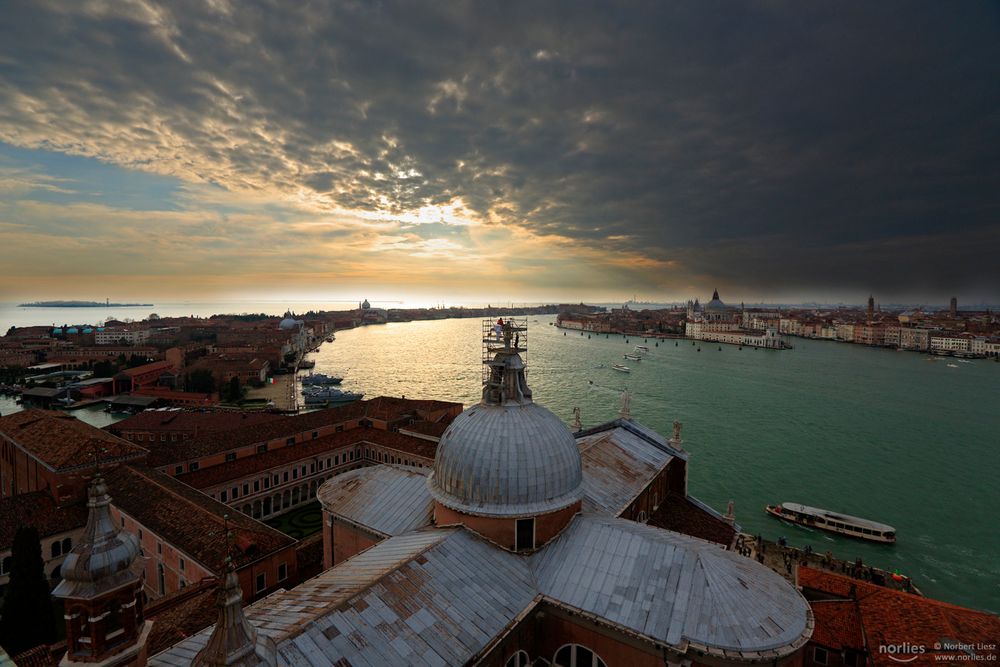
<point x="103" y="558"/>
<point x="507" y="456"/>
<point x="507" y="460"/>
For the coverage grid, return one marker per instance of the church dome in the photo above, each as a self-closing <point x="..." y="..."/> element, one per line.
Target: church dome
<point x="507" y="456"/>
<point x="103" y="558"/>
<point x="506" y="461"/>
<point x="289" y="323"/>
<point x="716" y="303"/>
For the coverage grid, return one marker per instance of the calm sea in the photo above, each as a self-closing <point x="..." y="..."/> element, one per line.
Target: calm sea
<point x="881" y="434"/>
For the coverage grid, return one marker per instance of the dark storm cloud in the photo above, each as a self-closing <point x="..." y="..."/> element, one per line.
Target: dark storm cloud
<point x="845" y="144"/>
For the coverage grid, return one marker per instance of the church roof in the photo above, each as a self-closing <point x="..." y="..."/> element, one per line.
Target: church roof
<point x="618" y="464"/>
<point x="387" y="499"/>
<point x="441" y="596"/>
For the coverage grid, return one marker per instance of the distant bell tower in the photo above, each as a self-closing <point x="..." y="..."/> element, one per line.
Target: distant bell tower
<point x="953" y="306"/>
<point x="871" y="307"/>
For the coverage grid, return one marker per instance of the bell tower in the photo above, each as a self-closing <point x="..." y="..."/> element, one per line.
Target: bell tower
<point x="102" y="592"/>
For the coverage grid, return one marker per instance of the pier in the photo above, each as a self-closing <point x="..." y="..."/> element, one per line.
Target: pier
<point x="785" y="560"/>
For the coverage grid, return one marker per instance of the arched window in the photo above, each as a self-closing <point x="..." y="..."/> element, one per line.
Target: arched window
<point x="67" y="544"/>
<point x="574" y="655"/>
<point x="519" y="659"/>
<point x="56" y="549"/>
<point x="642" y="516"/>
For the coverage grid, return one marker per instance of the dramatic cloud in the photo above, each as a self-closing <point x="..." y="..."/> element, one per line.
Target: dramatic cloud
<point x="770" y="148"/>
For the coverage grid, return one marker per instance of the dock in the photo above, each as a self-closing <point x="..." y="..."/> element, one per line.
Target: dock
<point x="785" y="560"/>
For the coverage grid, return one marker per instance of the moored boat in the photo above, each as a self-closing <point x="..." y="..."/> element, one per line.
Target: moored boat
<point x="320" y="379"/>
<point x="633" y="357"/>
<point x="641" y="348"/>
<point x="622" y="368"/>
<point x="329" y="396"/>
<point x="833" y="522"/>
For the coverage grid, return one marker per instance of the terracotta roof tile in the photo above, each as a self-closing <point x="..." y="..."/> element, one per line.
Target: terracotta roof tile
<point x="192" y="421"/>
<point x="241" y="467"/>
<point x="891" y="617"/>
<point x="189" y="519"/>
<point x="381" y="408"/>
<point x="221" y="441"/>
<point x="181" y="614"/>
<point x="39" y="510"/>
<point x="63" y="442"/>
<point x="838" y="625"/>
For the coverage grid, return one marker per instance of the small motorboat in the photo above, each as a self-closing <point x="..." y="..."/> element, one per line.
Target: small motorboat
<point x="621" y="368"/>
<point x="641" y="348"/>
<point x="633" y="357"/>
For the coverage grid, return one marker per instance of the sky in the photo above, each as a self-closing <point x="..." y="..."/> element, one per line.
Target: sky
<point x="493" y="151"/>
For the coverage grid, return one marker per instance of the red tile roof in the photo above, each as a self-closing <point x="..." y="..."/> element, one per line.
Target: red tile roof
<point x="191" y="421"/>
<point x="248" y="465"/>
<point x="838" y="624"/>
<point x="221" y="441"/>
<point x="190" y="520"/>
<point x="39" y="510"/>
<point x="63" y="442"/>
<point x="381" y="408"/>
<point x="891" y="617"/>
<point x="181" y="614"/>
<point x="162" y="366"/>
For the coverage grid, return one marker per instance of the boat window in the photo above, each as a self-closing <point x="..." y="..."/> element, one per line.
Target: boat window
<point x="866" y="531"/>
<point x="877" y="533"/>
<point x="890" y="534"/>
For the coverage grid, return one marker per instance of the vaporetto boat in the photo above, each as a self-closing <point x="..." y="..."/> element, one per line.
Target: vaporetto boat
<point x="833" y="522"/>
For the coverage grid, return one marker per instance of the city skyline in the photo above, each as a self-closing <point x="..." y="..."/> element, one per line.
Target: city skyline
<point x="469" y="154"/>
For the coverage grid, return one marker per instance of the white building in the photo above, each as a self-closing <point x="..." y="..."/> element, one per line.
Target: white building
<point x="950" y="345"/>
<point x="116" y="336"/>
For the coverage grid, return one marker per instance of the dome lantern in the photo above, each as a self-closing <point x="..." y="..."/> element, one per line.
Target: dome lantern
<point x="507" y="461"/>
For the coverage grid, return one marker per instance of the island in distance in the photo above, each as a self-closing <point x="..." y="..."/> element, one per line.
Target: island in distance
<point x="79" y="304"/>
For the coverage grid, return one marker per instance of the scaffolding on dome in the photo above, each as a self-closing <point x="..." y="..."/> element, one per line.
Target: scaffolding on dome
<point x="511" y="337"/>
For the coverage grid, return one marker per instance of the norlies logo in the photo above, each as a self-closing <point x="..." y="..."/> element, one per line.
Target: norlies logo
<point x="896" y="651"/>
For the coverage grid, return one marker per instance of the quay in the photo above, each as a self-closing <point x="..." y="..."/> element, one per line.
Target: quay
<point x="786" y="560"/>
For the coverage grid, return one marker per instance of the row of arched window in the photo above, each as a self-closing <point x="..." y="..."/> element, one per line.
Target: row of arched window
<point x="570" y="655"/>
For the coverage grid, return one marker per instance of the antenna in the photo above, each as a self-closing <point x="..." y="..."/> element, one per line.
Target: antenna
<point x="227" y="536"/>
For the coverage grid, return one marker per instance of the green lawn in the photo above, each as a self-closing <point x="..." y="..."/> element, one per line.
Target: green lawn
<point x="300" y="522"/>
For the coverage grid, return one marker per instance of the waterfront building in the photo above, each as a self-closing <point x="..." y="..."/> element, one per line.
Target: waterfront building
<point x="951" y="344"/>
<point x="912" y="338"/>
<point x="859" y="623"/>
<point x="718" y="323"/>
<point x="522" y="562"/>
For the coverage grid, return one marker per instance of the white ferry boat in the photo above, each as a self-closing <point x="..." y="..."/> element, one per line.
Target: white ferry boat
<point x="833" y="522"/>
<point x="621" y="368"/>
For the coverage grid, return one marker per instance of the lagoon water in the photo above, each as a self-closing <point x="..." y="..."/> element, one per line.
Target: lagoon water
<point x="877" y="433"/>
<point x="881" y="434"/>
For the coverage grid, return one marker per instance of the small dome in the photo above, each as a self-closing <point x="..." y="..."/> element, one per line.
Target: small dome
<point x="507" y="460"/>
<point x="104" y="555"/>
<point x="289" y="322"/>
